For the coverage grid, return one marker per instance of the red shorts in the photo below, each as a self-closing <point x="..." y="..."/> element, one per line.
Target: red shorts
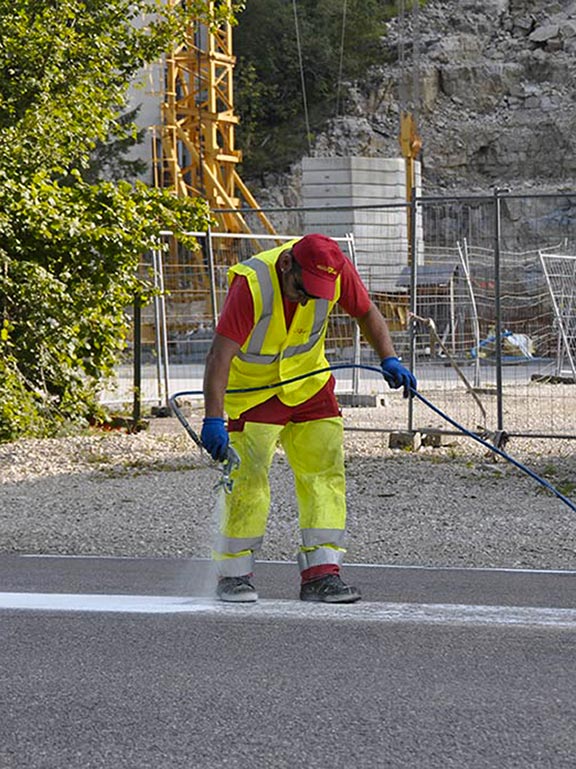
<point x="323" y="405"/>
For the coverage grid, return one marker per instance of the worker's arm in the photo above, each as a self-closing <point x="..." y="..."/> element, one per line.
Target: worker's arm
<point x="375" y="330"/>
<point x="216" y="374"/>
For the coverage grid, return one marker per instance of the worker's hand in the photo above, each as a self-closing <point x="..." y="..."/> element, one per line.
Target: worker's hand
<point x="398" y="375"/>
<point x="214" y="437"/>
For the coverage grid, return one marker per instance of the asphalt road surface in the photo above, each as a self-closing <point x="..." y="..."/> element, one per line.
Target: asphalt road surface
<point x="131" y="663"/>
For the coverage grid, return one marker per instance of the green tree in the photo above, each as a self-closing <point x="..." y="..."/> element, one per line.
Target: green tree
<point x="64" y="69"/>
<point x="69" y="249"/>
<point x="108" y="159"/>
<point x="268" y="76"/>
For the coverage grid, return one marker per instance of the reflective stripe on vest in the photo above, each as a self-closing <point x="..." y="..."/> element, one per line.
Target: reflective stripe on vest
<point x="252" y="353"/>
<point x="261" y="328"/>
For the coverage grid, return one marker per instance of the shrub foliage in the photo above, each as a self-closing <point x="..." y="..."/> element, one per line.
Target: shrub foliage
<point x="68" y="248"/>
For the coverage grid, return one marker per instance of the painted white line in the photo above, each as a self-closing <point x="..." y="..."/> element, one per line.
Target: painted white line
<point x="413" y="567"/>
<point x="485" y="569"/>
<point x="458" y="614"/>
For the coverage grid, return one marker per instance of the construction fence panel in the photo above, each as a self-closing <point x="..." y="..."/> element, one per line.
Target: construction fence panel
<point x="495" y="274"/>
<point x="475" y="263"/>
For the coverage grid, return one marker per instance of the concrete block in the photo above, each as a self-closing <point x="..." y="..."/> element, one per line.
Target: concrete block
<point x="360" y="400"/>
<point x="333" y="230"/>
<point x="321" y="217"/>
<point x="434" y="439"/>
<point x="161" y="411"/>
<point x="406" y="440"/>
<point x="350" y="194"/>
<point x="326" y="176"/>
<point x="353" y="164"/>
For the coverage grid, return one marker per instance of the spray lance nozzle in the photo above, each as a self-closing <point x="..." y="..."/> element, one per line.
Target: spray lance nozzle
<point x="228" y="465"/>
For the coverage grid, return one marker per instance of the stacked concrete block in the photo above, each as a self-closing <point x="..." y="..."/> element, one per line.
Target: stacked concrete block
<point x="365" y="197"/>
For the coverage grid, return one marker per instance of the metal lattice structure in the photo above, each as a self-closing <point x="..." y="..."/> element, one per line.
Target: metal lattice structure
<point x="199" y="155"/>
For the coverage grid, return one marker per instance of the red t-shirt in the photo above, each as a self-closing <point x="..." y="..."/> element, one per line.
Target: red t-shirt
<point x="237" y="319"/>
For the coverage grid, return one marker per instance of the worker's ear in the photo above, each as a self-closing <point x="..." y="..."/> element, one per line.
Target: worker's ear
<point x="285" y="260"/>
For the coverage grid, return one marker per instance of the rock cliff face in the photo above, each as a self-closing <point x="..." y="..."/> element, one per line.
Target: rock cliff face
<point x="497" y="96"/>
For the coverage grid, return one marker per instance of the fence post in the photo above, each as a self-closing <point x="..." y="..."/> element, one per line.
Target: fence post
<point x="498" y="309"/>
<point x="161" y="330"/>
<point x="212" y="276"/>
<point x="157" y="324"/>
<point x="413" y="257"/>
<point x="137" y="361"/>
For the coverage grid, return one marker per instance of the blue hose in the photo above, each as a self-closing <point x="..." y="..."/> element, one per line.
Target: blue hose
<point x="498" y="451"/>
<point x="420" y="397"/>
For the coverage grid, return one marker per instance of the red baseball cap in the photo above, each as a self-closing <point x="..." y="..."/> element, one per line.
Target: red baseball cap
<point x="321" y="262"/>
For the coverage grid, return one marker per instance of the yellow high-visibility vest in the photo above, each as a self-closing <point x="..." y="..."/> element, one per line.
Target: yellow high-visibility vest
<point x="273" y="353"/>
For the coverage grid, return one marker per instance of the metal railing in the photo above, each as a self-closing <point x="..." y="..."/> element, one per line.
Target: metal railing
<point x="465" y="294"/>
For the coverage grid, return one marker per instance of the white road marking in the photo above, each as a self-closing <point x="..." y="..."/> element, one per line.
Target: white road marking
<point x="411" y="567"/>
<point x="459" y="614"/>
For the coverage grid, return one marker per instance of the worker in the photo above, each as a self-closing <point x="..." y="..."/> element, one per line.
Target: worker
<point x="272" y="329"/>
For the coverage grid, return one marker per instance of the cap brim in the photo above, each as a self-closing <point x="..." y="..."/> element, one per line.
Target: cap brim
<point x="316" y="286"/>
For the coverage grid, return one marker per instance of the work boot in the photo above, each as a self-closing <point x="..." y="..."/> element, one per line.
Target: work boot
<point x="236" y="589"/>
<point x="329" y="589"/>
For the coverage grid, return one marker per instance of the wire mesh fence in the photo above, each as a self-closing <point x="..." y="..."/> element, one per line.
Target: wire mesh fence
<point x="497" y="318"/>
<point x="480" y="298"/>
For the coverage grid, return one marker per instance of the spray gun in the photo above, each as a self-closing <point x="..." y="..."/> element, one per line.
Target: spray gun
<point x="230" y="464"/>
<point x="227" y="466"/>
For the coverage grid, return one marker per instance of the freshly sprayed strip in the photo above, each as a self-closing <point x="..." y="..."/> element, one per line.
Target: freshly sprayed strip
<point x="437" y="614"/>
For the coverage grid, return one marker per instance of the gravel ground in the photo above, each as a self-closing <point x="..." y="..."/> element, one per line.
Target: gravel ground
<point x="151" y="494"/>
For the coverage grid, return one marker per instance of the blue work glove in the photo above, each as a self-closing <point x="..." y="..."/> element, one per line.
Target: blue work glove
<point x="214" y="437"/>
<point x="398" y="375"/>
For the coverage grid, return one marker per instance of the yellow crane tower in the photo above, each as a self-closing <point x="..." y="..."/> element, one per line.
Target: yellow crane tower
<point x="199" y="155"/>
<point x="409" y="98"/>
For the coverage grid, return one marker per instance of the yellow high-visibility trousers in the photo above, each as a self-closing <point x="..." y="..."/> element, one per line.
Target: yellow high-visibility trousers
<point x="315" y="453"/>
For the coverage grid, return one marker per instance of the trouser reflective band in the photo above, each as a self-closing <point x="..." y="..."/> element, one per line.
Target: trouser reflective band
<point x="320" y="547"/>
<point x="236" y="545"/>
<point x="335" y="538"/>
<point x="233" y="565"/>
<point x="319" y="556"/>
<point x="234" y="556"/>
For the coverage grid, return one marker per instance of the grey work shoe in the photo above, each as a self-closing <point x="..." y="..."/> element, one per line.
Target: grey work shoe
<point x="329" y="589"/>
<point x="236" y="589"/>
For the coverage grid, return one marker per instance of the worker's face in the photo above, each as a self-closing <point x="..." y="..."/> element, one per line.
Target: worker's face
<point x="292" y="285"/>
